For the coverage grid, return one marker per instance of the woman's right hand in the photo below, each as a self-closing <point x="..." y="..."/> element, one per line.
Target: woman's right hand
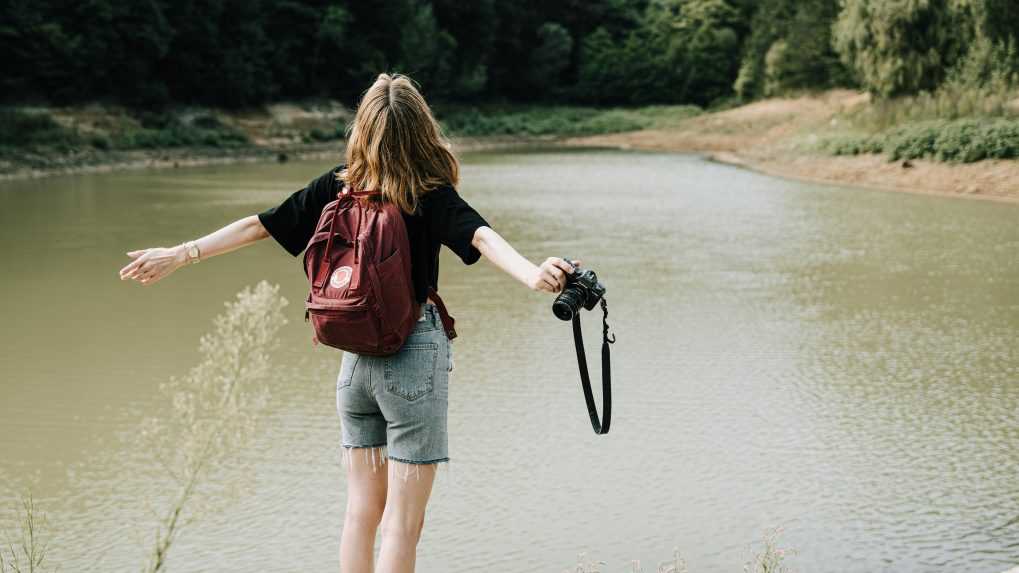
<point x="550" y="276"/>
<point x="150" y="265"/>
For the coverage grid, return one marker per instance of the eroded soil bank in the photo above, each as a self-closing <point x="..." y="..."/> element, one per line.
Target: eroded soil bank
<point x="778" y="137"/>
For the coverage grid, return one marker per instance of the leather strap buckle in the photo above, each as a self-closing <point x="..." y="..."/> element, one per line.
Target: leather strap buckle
<point x="448" y="322"/>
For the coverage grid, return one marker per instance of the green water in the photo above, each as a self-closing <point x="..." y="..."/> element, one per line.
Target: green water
<point x="842" y="363"/>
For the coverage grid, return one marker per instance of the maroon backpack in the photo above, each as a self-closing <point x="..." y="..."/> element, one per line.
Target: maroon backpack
<point x="358" y="261"/>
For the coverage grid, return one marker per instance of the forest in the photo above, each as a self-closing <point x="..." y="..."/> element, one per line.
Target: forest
<point x="239" y="53"/>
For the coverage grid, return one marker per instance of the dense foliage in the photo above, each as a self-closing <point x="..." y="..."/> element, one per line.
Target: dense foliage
<point x="241" y="52"/>
<point x="962" y="140"/>
<point x="907" y="46"/>
<point x="790" y="47"/>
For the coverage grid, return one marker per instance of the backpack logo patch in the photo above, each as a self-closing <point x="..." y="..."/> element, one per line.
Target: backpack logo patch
<point x="340" y="277"/>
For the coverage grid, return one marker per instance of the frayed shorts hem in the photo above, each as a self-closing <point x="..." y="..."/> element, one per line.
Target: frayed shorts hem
<point x="348" y="446"/>
<point x="378" y="454"/>
<point x="435" y="461"/>
<point x="404" y="460"/>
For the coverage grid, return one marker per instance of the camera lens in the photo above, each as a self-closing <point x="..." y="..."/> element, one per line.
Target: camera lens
<point x="567" y="303"/>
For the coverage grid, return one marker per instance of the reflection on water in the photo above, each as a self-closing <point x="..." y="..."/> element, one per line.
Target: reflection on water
<point x="838" y="362"/>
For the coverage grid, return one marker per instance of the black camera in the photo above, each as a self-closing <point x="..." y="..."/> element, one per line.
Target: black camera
<point x="582" y="290"/>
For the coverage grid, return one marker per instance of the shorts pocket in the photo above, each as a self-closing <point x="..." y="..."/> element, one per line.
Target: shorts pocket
<point x="347" y="366"/>
<point x="410" y="373"/>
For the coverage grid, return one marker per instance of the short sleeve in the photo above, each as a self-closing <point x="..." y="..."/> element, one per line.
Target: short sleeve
<point x="454" y="222"/>
<point x="293" y="222"/>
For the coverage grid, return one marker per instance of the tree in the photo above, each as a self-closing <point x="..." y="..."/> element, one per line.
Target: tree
<point x="602" y="73"/>
<point x="996" y="20"/>
<point x="711" y="51"/>
<point x="426" y="50"/>
<point x="898" y="46"/>
<point x="550" y="58"/>
<point x="472" y="26"/>
<point x="38" y="53"/>
<point x="790" y="47"/>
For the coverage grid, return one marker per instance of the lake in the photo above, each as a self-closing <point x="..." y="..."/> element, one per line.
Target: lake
<point x="837" y="362"/>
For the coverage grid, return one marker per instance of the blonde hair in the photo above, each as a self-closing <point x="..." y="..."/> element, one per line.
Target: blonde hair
<point x="395" y="146"/>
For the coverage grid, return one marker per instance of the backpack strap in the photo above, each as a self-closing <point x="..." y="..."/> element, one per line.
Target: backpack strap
<point x="320" y="280"/>
<point x="344" y="194"/>
<point x="447" y="320"/>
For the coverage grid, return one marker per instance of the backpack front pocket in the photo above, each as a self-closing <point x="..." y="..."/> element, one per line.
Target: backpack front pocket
<point x="410" y="373"/>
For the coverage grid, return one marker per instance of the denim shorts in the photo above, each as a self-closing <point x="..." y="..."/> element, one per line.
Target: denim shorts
<point x="399" y="402"/>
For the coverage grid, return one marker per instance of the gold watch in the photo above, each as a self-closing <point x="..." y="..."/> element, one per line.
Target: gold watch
<point x="191" y="248"/>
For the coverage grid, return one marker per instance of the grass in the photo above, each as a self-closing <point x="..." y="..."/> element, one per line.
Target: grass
<point x="983" y="85"/>
<point x="770" y="558"/>
<point x="338" y="132"/>
<point x="953" y="125"/>
<point x="26" y="553"/>
<point x="214" y="410"/>
<point x="30" y="131"/>
<point x="164" y="131"/>
<point x="533" y="121"/>
<point x="675" y="565"/>
<point x="972" y="116"/>
<point x="950" y="102"/>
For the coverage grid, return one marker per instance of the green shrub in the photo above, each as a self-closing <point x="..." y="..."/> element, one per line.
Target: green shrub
<point x="27" y="129"/>
<point x="206" y="121"/>
<point x="957" y="141"/>
<point x="155" y="119"/>
<point x="101" y="142"/>
<point x="962" y="141"/>
<point x="853" y="145"/>
<point x="163" y="131"/>
<point x="339" y="131"/>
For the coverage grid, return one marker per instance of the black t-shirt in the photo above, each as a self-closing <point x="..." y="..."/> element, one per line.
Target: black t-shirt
<point x="443" y="218"/>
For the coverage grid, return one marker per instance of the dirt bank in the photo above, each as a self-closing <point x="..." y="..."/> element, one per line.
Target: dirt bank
<point x="106" y="162"/>
<point x="775" y="137"/>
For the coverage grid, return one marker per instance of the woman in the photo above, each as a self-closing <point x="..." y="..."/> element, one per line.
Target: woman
<point x="396" y="146"/>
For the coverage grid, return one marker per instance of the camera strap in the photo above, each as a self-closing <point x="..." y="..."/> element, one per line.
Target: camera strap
<point x="602" y="426"/>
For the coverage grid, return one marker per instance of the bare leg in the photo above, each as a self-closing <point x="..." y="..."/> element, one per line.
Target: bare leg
<point x="366" y="500"/>
<point x="404" y="517"/>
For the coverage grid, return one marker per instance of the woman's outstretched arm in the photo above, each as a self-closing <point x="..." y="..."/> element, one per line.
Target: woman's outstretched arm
<point x="150" y="265"/>
<point x="550" y="276"/>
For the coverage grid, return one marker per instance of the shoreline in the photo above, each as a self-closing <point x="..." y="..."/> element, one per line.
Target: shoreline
<point x="728" y="158"/>
<point x="738" y="160"/>
<point x="776" y="137"/>
<point x="192" y="157"/>
<point x="175" y="158"/>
